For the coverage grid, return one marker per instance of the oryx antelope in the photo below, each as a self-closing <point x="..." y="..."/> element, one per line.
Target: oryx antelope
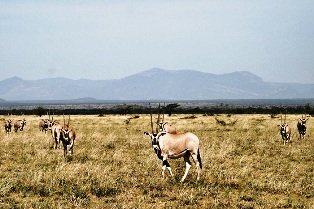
<point x="167" y="145"/>
<point x="56" y="133"/>
<point x="44" y="125"/>
<point x="301" y="125"/>
<point x="19" y="125"/>
<point x="8" y="126"/>
<point x="285" y="131"/>
<point x="67" y="136"/>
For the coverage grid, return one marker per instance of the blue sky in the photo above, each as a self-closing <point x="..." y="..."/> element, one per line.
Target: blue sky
<point x="273" y="39"/>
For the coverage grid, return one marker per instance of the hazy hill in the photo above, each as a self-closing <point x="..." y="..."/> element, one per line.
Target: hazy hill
<point x="156" y="84"/>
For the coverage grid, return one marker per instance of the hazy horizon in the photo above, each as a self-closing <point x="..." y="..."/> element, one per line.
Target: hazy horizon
<point x="63" y="77"/>
<point x="103" y="40"/>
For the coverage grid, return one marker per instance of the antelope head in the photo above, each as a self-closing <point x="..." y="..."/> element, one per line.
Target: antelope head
<point x="161" y="126"/>
<point x="66" y="129"/>
<point x="154" y="138"/>
<point x="303" y="120"/>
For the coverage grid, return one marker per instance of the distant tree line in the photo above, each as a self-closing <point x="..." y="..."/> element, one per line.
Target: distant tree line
<point x="167" y="109"/>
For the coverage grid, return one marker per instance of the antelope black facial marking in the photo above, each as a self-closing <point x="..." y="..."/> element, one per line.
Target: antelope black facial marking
<point x="165" y="163"/>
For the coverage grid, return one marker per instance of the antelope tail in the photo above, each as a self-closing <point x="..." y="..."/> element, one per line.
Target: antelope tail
<point x="199" y="158"/>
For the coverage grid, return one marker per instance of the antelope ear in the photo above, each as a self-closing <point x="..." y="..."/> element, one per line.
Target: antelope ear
<point x="165" y="123"/>
<point x="145" y="133"/>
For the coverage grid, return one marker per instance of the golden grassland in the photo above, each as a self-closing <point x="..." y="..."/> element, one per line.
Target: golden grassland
<point x="245" y="165"/>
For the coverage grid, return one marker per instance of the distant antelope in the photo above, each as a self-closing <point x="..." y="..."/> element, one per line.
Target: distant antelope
<point x="285" y="131"/>
<point x="67" y="137"/>
<point x="19" y="125"/>
<point x="56" y="133"/>
<point x="43" y="125"/>
<point x="301" y="125"/>
<point x="163" y="127"/>
<point x="8" y="126"/>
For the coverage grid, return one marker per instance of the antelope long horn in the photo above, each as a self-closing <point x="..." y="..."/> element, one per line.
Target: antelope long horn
<point x="158" y="119"/>
<point x="281" y="118"/>
<point x="151" y="122"/>
<point x="69" y="121"/>
<point x="163" y="114"/>
<point x="63" y="119"/>
<point x="285" y="117"/>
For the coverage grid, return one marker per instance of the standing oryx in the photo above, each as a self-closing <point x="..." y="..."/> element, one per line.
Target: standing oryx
<point x="44" y="125"/>
<point x="66" y="134"/>
<point x="285" y="131"/>
<point x="301" y="125"/>
<point x="56" y="133"/>
<point x="168" y="145"/>
<point x="19" y="125"/>
<point x="8" y="126"/>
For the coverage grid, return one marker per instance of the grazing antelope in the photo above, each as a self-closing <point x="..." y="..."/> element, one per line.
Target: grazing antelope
<point x="285" y="131"/>
<point x="8" y="126"/>
<point x="301" y="125"/>
<point x="167" y="145"/>
<point x="19" y="125"/>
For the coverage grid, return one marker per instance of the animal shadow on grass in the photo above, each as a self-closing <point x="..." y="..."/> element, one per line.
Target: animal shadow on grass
<point x="69" y="158"/>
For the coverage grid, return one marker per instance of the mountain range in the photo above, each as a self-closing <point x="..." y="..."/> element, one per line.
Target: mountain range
<point x="155" y="84"/>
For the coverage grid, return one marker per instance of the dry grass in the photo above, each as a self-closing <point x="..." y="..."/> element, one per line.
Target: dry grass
<point x="245" y="166"/>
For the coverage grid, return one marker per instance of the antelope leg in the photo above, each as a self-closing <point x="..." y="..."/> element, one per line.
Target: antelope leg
<point x="71" y="147"/>
<point x="198" y="167"/>
<point x="187" y="168"/>
<point x="165" y="164"/>
<point x="170" y="171"/>
<point x="187" y="164"/>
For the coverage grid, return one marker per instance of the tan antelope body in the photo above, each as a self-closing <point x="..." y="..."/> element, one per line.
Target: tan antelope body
<point x="56" y="133"/>
<point x="19" y="125"/>
<point x="8" y="126"/>
<point x="301" y="125"/>
<point x="172" y="146"/>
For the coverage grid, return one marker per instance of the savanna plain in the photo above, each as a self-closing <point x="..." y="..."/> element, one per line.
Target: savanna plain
<point x="245" y="165"/>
